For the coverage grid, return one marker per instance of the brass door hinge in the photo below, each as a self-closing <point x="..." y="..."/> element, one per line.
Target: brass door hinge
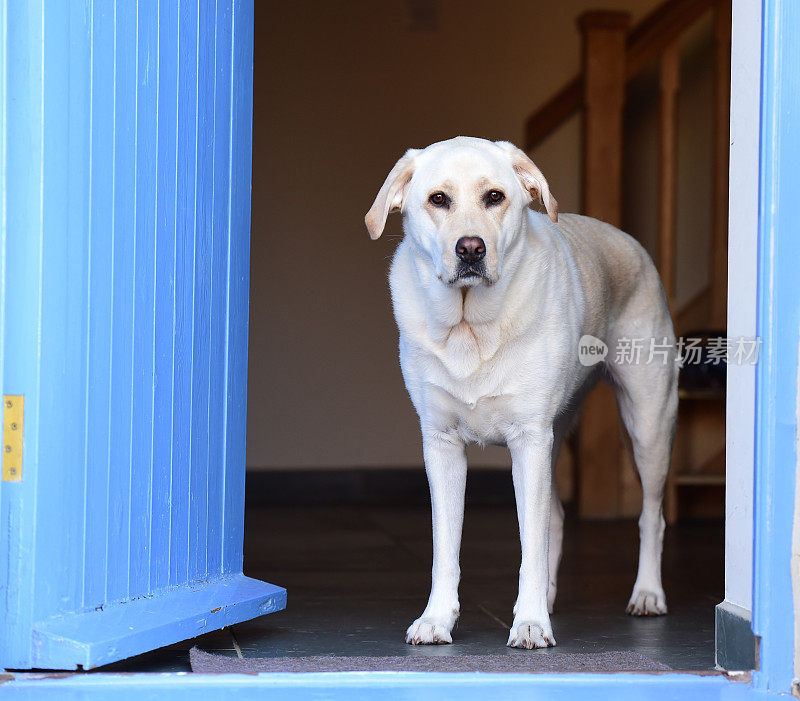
<point x="13" y="417"/>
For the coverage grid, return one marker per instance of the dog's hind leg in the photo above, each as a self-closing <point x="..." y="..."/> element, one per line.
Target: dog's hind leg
<point x="554" y="546"/>
<point x="647" y="394"/>
<point x="560" y="428"/>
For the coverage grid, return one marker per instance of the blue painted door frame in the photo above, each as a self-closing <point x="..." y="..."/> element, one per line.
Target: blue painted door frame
<point x="775" y="470"/>
<point x="126" y="159"/>
<point x="777" y="400"/>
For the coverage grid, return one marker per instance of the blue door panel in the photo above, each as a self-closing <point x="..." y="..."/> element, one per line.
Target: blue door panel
<point x="184" y="281"/>
<point x="238" y="285"/>
<point x="198" y="505"/>
<point x="165" y="295"/>
<point x="99" y="323"/>
<point x="145" y="312"/>
<point x="220" y="136"/>
<point x="120" y="463"/>
<point x="62" y="296"/>
<point x="123" y="319"/>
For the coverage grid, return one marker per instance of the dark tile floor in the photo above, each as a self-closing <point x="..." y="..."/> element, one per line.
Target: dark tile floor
<point x="358" y="576"/>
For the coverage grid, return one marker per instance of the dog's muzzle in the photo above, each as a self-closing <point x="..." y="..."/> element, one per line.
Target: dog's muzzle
<point x="468" y="270"/>
<point x="471" y="273"/>
<point x="470" y="251"/>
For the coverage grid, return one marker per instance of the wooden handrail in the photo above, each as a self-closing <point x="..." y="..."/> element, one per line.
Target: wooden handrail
<point x="553" y="113"/>
<point x="645" y="43"/>
<point x="661" y="28"/>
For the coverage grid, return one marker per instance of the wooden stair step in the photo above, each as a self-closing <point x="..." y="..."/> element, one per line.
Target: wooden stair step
<point x="698" y="479"/>
<point x="701" y="394"/>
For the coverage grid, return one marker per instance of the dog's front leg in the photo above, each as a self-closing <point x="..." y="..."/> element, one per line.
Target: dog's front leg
<point x="530" y="459"/>
<point x="446" y="466"/>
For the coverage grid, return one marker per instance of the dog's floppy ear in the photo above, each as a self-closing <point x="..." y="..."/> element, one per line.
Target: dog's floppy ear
<point x="392" y="194"/>
<point x="531" y="177"/>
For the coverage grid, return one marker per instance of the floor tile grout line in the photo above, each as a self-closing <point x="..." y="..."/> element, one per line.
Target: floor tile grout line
<point x="496" y="619"/>
<point x="385" y="531"/>
<point x="376" y="524"/>
<point x="236" y="644"/>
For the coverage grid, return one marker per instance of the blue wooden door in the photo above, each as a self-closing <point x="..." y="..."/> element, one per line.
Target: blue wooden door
<point x="124" y="256"/>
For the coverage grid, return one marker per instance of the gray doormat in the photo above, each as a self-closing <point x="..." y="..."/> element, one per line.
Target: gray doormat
<point x="612" y="661"/>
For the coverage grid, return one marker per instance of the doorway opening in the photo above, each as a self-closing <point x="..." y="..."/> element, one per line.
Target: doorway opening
<point x="337" y="500"/>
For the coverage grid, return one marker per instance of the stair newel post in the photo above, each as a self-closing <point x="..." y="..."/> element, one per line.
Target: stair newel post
<point x="604" y="38"/>
<point x="668" y="83"/>
<point x="602" y="458"/>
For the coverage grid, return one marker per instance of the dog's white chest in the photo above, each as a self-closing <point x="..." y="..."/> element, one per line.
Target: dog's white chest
<point x="466" y="348"/>
<point x="481" y="407"/>
<point x="484" y="421"/>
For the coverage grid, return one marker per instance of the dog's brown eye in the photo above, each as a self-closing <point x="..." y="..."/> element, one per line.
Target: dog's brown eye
<point x="438" y="199"/>
<point x="494" y="197"/>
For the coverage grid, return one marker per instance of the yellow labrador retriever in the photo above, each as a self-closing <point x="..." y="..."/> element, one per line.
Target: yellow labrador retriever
<point x="492" y="299"/>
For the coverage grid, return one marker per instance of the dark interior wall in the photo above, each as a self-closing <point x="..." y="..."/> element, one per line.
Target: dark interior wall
<point x="341" y="90"/>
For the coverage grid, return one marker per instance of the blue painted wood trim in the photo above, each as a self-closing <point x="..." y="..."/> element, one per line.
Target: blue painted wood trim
<point x="21" y="283"/>
<point x="386" y="686"/>
<point x="779" y="329"/>
<point x="238" y="280"/>
<point x="115" y="631"/>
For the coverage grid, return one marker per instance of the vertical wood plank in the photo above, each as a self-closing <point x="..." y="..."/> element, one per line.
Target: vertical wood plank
<point x="165" y="300"/>
<point x="202" y="290"/>
<point x="219" y="289"/>
<point x="669" y="81"/>
<point x="120" y="402"/>
<point x="78" y="206"/>
<point x="97" y="435"/>
<point x="144" y="300"/>
<point x="184" y="291"/>
<point x="601" y="453"/>
<point x="721" y="132"/>
<point x="65" y="179"/>
<point x="238" y="281"/>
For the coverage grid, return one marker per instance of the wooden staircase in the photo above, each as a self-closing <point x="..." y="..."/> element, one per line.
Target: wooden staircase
<point x="613" y="54"/>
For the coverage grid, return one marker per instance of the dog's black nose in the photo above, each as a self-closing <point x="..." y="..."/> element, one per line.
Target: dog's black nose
<point x="470" y="249"/>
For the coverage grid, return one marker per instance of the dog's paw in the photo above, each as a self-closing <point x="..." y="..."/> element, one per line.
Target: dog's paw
<point x="427" y="631"/>
<point x="528" y="635"/>
<point x="647" y="603"/>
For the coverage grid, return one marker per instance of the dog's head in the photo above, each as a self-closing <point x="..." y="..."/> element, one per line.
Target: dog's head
<point x="463" y="203"/>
